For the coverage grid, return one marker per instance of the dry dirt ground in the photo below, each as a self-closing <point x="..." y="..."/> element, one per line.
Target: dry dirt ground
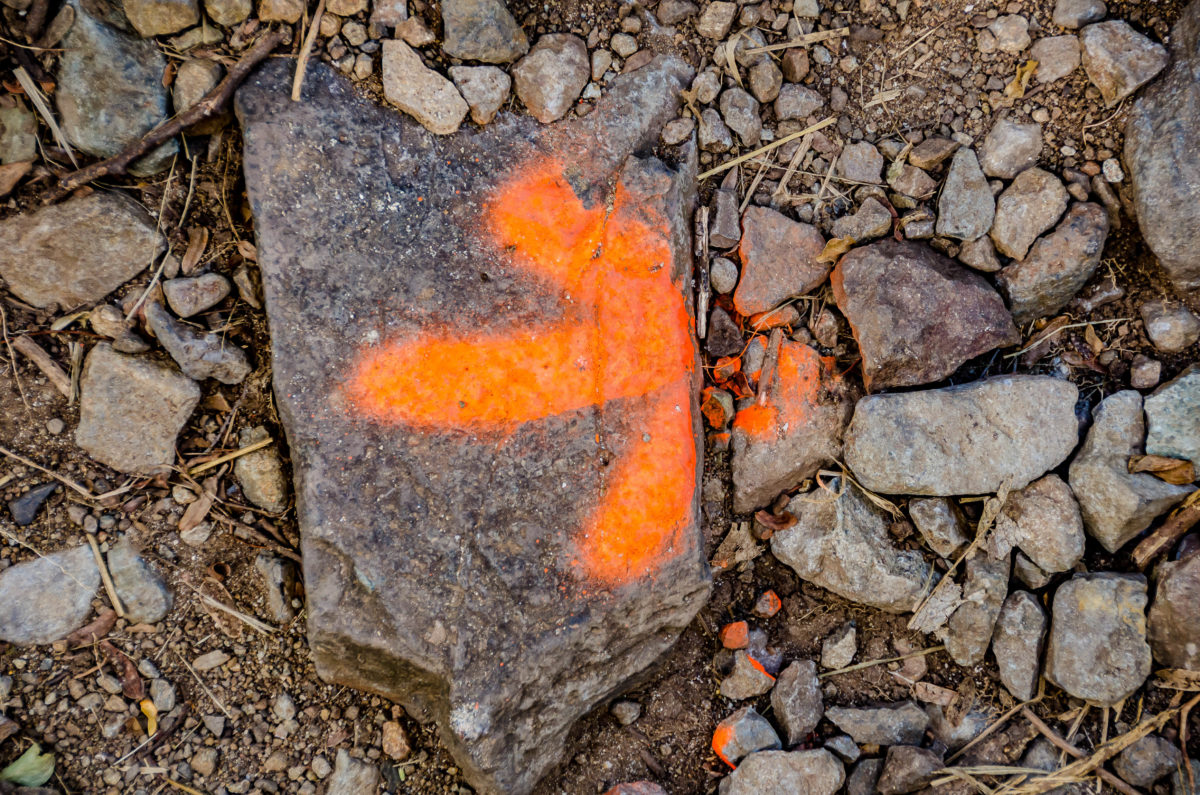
<point x="931" y="54"/>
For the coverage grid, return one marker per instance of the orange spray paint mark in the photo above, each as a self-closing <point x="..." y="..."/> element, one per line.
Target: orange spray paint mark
<point x="735" y="635"/>
<point x="800" y="378"/>
<point x="624" y="334"/>
<point x="721" y="740"/>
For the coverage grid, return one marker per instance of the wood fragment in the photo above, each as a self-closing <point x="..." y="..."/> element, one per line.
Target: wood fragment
<point x="250" y="448"/>
<point x="1182" y="519"/>
<point x="763" y="149"/>
<point x="803" y="41"/>
<point x="36" y="354"/>
<point x="105" y="577"/>
<point x="872" y="663"/>
<point x="770" y="361"/>
<point x="306" y="51"/>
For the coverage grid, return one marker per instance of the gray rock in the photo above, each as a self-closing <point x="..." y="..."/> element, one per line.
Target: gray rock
<point x="485" y="88"/>
<point x="871" y="220"/>
<point x="288" y="11"/>
<point x="550" y="78"/>
<point x="421" y="92"/>
<point x="278" y="579"/>
<point x="843" y="546"/>
<point x="481" y="30"/>
<point x="63" y="582"/>
<point x="1097" y="649"/>
<point x="955" y="735"/>
<point x="18" y="135"/>
<point x="195" y="78"/>
<point x="353" y="776"/>
<point x="1033" y="203"/>
<point x="76" y="252"/>
<point x="932" y="152"/>
<point x="860" y="162"/>
<point x="1183" y="783"/>
<point x="228" y="12"/>
<point x="844" y="747"/>
<point x="712" y="133"/>
<point x="1043" y="519"/>
<point x="200" y="354"/>
<point x="863" y="778"/>
<point x="677" y="131"/>
<point x="815" y="772"/>
<point x="716" y="19"/>
<point x="1169" y="325"/>
<point x="140" y="588"/>
<point x="1017" y="643"/>
<point x="160" y="17"/>
<point x="969" y="629"/>
<point x="902" y="723"/>
<point x="707" y="85"/>
<point x="916" y="315"/>
<point x="779" y="260"/>
<point x="1077" y="13"/>
<point x="1147" y="760"/>
<point x="1057" y="57"/>
<point x="162" y="693"/>
<point x="1173" y="418"/>
<point x="1144" y="372"/>
<point x="1058" y="265"/>
<point x="966" y="439"/>
<point x="723" y="275"/>
<point x="912" y="181"/>
<point x="24" y="509"/>
<point x="672" y="12"/>
<point x="980" y="254"/>
<point x="1009" y="148"/>
<point x="907" y="768"/>
<point x="1011" y="32"/>
<point x="724" y="337"/>
<point x="391" y="531"/>
<point x="1162" y="131"/>
<point x="748" y="679"/>
<point x="131" y="409"/>
<point x="726" y="228"/>
<point x="110" y="91"/>
<point x="260" y="473"/>
<point x="966" y="207"/>
<point x="1044" y="755"/>
<point x="626" y="712"/>
<point x="1119" y="60"/>
<point x="192" y="295"/>
<point x="839" y="647"/>
<point x="1175" y="615"/>
<point x="797" y="102"/>
<point x="1116" y="504"/>
<point x="740" y="111"/>
<point x="941" y="524"/>
<point x="766" y="79"/>
<point x="743" y="733"/>
<point x="796" y="700"/>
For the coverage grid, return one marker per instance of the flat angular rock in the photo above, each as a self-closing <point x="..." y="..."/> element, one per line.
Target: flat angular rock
<point x="979" y="254"/>
<point x="742" y="733"/>
<point x="966" y="439"/>
<point x="748" y="679"/>
<point x="916" y="315"/>
<point x="485" y="88"/>
<point x="1169" y="325"/>
<point x="131" y="409"/>
<point x="969" y="629"/>
<point x="870" y="221"/>
<point x="1029" y="206"/>
<point x="1161" y="135"/>
<point x="1116" y="504"/>
<point x="481" y="30"/>
<point x="1009" y="148"/>
<point x="942" y="524"/>
<point x="18" y="135"/>
<point x="1017" y="643"/>
<point x="779" y="260"/>
<point x="843" y="546"/>
<point x="932" y="152"/>
<point x="1043" y="519"/>
<point x="797" y="102"/>
<point x="907" y="768"/>
<point x="430" y="461"/>
<point x="902" y="723"/>
<point x="551" y="77"/>
<point x="1175" y="615"/>
<point x="860" y="162"/>
<point x="1077" y="13"/>
<point x="796" y="700"/>
<point x="797" y="431"/>
<point x="24" y="509"/>
<point x="191" y="296"/>
<point x="200" y="354"/>
<point x="160" y="17"/>
<point x="966" y="207"/>
<point x="63" y="582"/>
<point x="76" y="252"/>
<point x="1173" y="418"/>
<point x="1058" y="265"/>
<point x="420" y="91"/>
<point x="1057" y="57"/>
<point x="1118" y="59"/>
<point x="740" y="111"/>
<point x="1147" y="760"/>
<point x="260" y="473"/>
<point x="141" y="590"/>
<point x="1097" y="649"/>
<point x="815" y="772"/>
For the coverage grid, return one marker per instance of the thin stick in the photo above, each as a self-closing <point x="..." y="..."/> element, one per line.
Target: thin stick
<point x="705" y="287"/>
<point x="39" y="102"/>
<point x="210" y="105"/>
<point x="105" y="577"/>
<point x="250" y="621"/>
<point x="1059" y="742"/>
<point x="1000" y="721"/>
<point x="762" y="169"/>
<point x="802" y="41"/>
<point x="12" y="356"/>
<point x="176" y="784"/>
<point x="1036" y="342"/>
<point x="36" y="354"/>
<point x="65" y="481"/>
<point x="306" y="51"/>
<point x="162" y="208"/>
<point x="821" y="125"/>
<point x="872" y="663"/>
<point x="250" y="448"/>
<point x="1178" y="523"/>
<point x="203" y="686"/>
<point x="793" y="164"/>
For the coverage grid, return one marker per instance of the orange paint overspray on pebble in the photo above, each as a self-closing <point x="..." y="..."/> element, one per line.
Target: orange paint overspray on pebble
<point x="801" y="376"/>
<point x="625" y="334"/>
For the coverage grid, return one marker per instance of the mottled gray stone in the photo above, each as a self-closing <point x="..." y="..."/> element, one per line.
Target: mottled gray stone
<point x="1043" y="519"/>
<point x="779" y="260"/>
<point x="742" y="733"/>
<point x="860" y="162"/>
<point x="160" y="17"/>
<point x="1147" y="760"/>
<point x="966" y="207"/>
<point x="902" y="723"/>
<point x="192" y="295"/>
<point x="200" y="354"/>
<point x="353" y="776"/>
<point x="941" y="523"/>
<point x="969" y="629"/>
<point x="870" y="221"/>
<point x="815" y="772"/>
<point x="550" y="78"/>
<point x="796" y="700"/>
<point x="1057" y="57"/>
<point x="485" y="88"/>
<point x="18" y="135"/>
<point x="1033" y="203"/>
<point x="1118" y="59"/>
<point x="1175" y="615"/>
<point x="416" y="89"/>
<point x="740" y="111"/>
<point x="63" y="582"/>
<point x="1077" y="13"/>
<point x="747" y="680"/>
<point x="907" y="768"/>
<point x="141" y="589"/>
<point x="1017" y="643"/>
<point x="481" y="30"/>
<point x="797" y="102"/>
<point x="1173" y="418"/>
<point x="1170" y="325"/>
<point x="260" y="473"/>
<point x="1009" y="148"/>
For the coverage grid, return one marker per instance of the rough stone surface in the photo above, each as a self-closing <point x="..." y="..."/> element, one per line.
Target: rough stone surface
<point x="863" y="778"/>
<point x="76" y="252"/>
<point x="24" y="509"/>
<point x="18" y="135"/>
<point x="747" y="680"/>
<point x="200" y="354"/>
<point x="160" y="17"/>
<point x="902" y="723"/>
<point x="550" y="78"/>
<point x="64" y="583"/>
<point x="839" y="647"/>
<point x="766" y="79"/>
<point x="966" y="439"/>
<point x="712" y="133"/>
<point x="131" y="409"/>
<point x="192" y="295"/>
<point x="141" y="590"/>
<point x="485" y="88"/>
<point x="815" y="772"/>
<point x="915" y="314"/>
<point x="723" y="275"/>
<point x="353" y="776"/>
<point x="1097" y="649"/>
<point x="1058" y="265"/>
<point x="799" y="430"/>
<point x="797" y="102"/>
<point x="907" y="768"/>
<point x="288" y="11"/>
<point x="778" y="260"/>
<point x="843" y="546"/>
<point x="1017" y="643"/>
<point x="417" y="527"/>
<point x="228" y="12"/>
<point x="260" y="473"/>
<point x="1173" y="418"/>
<point x="740" y="111"/>
<point x="966" y="207"/>
<point x="1057" y="57"/>
<point x="1118" y="59"/>
<point x="1009" y="148"/>
<point x="1011" y="32"/>
<point x="110" y="91"/>
<point x="1175" y="615"/>
<point x="278" y="578"/>
<point x="1077" y="13"/>
<point x="481" y="30"/>
<point x="796" y="700"/>
<point x="860" y="162"/>
<point x="743" y="733"/>
<point x="716" y="19"/>
<point x="969" y="629"/>
<point x="1170" y="325"/>
<point x="1033" y="203"/>
<point x="980" y="254"/>
<point x="941" y="523"/>
<point x="1147" y="760"/>
<point x="1116" y="504"/>
<point x="870" y="221"/>
<point x="932" y="152"/>
<point x="725" y="229"/>
<point x="912" y="181"/>
<point x="1161" y="135"/>
<point x="195" y="78"/>
<point x="420" y="91"/>
<point x="1042" y="519"/>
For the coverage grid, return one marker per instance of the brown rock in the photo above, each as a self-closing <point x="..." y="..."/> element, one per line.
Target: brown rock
<point x="932" y="152"/>
<point x="1032" y="204"/>
<point x="1175" y="615"/>
<point x="778" y="260"/>
<point x="419" y="91"/>
<point x="550" y="78"/>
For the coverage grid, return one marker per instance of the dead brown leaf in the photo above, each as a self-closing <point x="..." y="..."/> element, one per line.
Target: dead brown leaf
<point x="198" y="510"/>
<point x="247" y="250"/>
<point x="1093" y="340"/>
<point x="1179" y="472"/>
<point x="835" y="248"/>
<point x="197" y="242"/>
<point x="1016" y="89"/>
<point x="1178" y="679"/>
<point x="933" y="694"/>
<point x="89" y="634"/>
<point x="132" y="685"/>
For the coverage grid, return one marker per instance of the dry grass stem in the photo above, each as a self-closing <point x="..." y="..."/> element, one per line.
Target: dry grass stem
<point x="36" y="354"/>
<point x="728" y="164"/>
<point x="1000" y="721"/>
<point x="43" y="108"/>
<point x="803" y="41"/>
<point x="873" y="663"/>
<point x="203" y="686"/>
<point x="306" y="51"/>
<point x="105" y="577"/>
<point x="250" y="448"/>
<point x="65" y="481"/>
<point x="250" y="621"/>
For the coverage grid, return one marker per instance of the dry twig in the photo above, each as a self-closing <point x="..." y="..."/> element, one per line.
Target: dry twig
<point x="105" y="577"/>
<point x="1179" y="522"/>
<point x="306" y="51"/>
<point x="36" y="354"/>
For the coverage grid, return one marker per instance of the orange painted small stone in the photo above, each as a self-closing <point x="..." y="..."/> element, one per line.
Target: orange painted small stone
<point x="726" y="367"/>
<point x="735" y="635"/>
<point x="717" y="406"/>
<point x="767" y="605"/>
<point x="779" y="316"/>
<point x="741" y="734"/>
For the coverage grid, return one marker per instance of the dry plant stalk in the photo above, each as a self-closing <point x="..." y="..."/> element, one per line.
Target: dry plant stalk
<point x="821" y="125"/>
<point x="105" y="577"/>
<point x="36" y="354"/>
<point x="1179" y="522"/>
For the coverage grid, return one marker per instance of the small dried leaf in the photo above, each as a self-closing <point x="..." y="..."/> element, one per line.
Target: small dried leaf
<point x="835" y="248"/>
<point x="1178" y="679"/>
<point x="775" y="523"/>
<point x="197" y="242"/>
<point x="932" y="694"/>
<point x="94" y="631"/>
<point x="1179" y="472"/>
<point x="31" y="769"/>
<point x="247" y="250"/>
<point x="151" y="713"/>
<point x="1093" y="340"/>
<point x="198" y="510"/>
<point x="132" y="685"/>
<point x="1016" y="89"/>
